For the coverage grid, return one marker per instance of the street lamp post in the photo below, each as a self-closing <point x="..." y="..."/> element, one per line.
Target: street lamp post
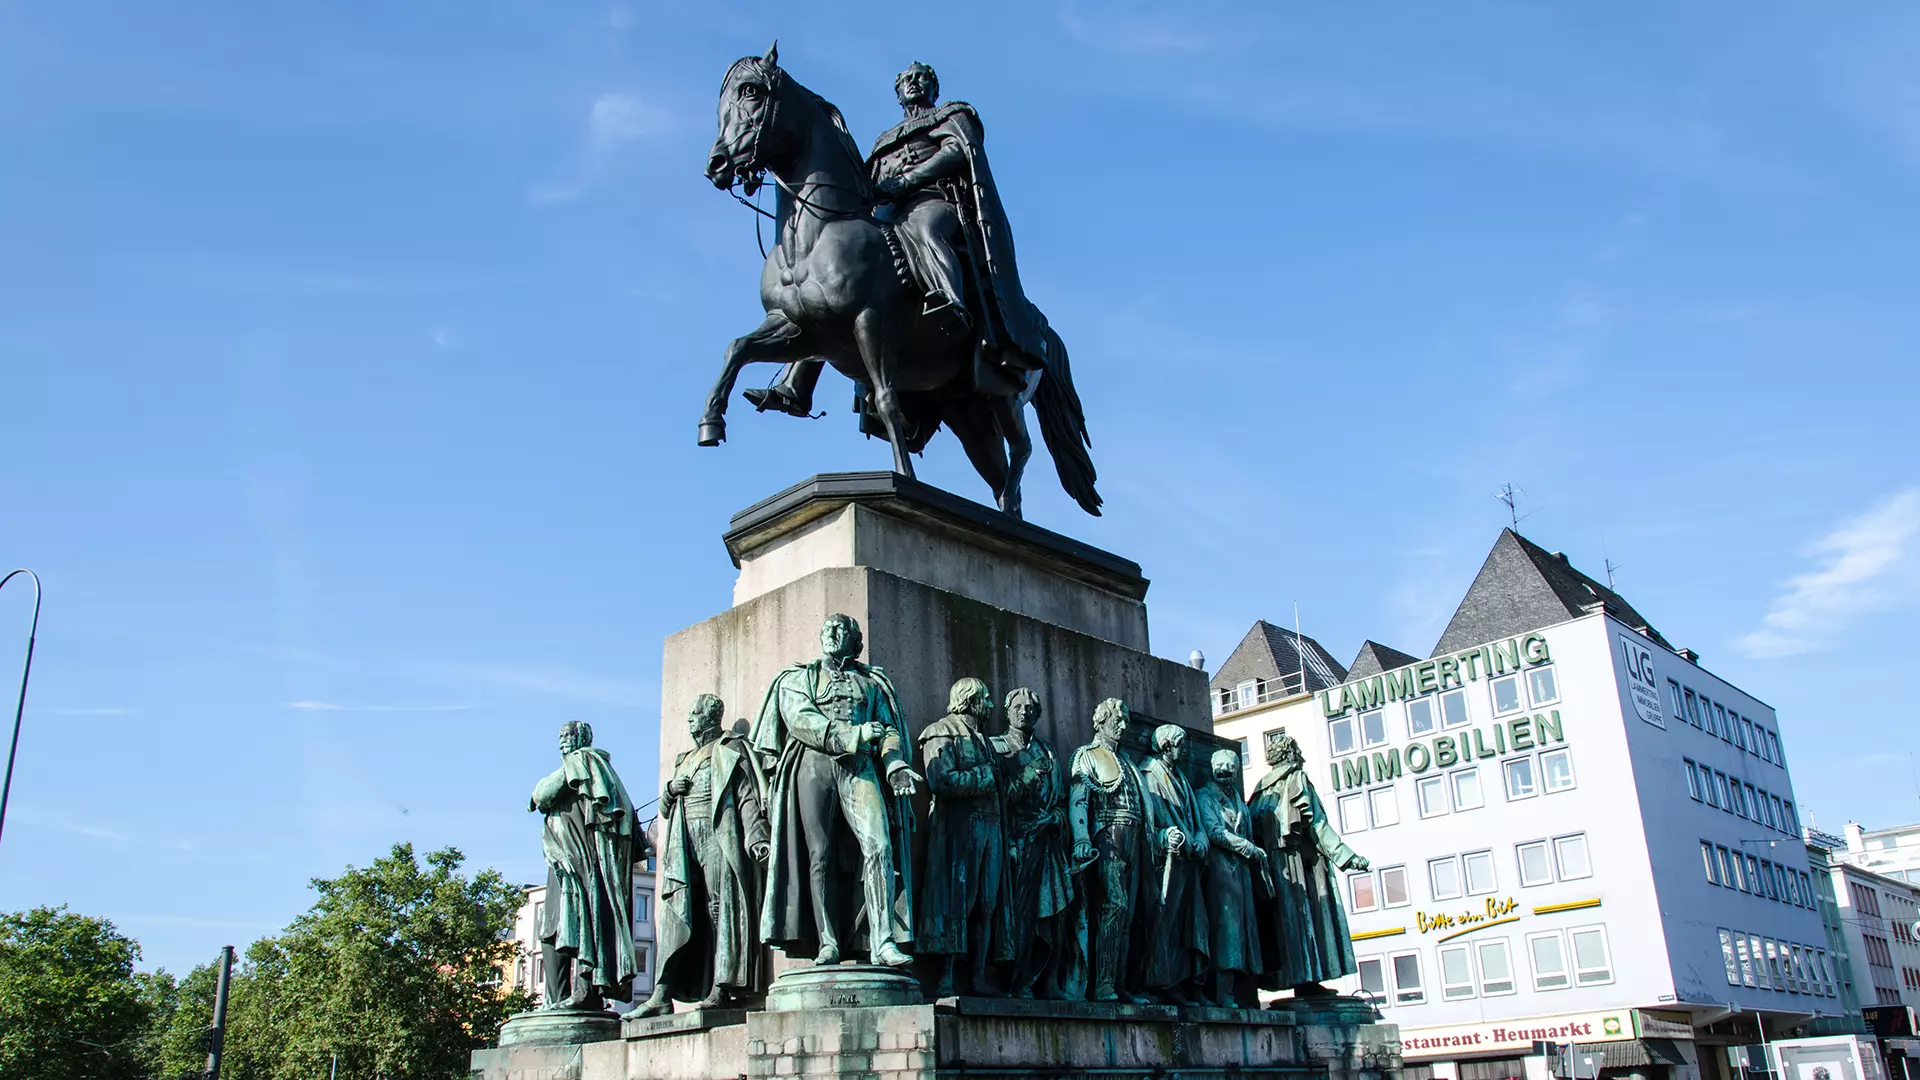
<point x="20" y="707"/>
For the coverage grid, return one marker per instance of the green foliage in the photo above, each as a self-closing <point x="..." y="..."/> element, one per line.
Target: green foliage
<point x="180" y="1032"/>
<point x="396" y="969"/>
<point x="71" y="1006"/>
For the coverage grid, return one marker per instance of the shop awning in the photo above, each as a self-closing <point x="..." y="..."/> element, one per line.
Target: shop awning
<point x="1635" y="1053"/>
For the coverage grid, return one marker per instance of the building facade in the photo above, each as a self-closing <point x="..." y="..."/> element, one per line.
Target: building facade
<point x="529" y="970"/>
<point x="1893" y="853"/>
<point x="1577" y="834"/>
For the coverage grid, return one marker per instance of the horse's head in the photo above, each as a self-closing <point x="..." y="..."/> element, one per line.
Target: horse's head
<point x="753" y="133"/>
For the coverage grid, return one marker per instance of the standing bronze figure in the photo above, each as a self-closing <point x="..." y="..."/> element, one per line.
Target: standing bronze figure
<point x="1234" y="864"/>
<point x="1175" y="963"/>
<point x="1104" y="806"/>
<point x="591" y="841"/>
<point x="900" y="273"/>
<point x="1044" y="943"/>
<point x="1303" y="925"/>
<point x="713" y="844"/>
<point x="964" y="907"/>
<point x="831" y="727"/>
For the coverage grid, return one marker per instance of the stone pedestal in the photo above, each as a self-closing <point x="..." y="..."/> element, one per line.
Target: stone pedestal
<point x="943" y="588"/>
<point x="842" y="986"/>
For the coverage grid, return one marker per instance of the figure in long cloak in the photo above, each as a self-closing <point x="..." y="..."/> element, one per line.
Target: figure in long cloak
<point x="1109" y="844"/>
<point x="713" y="843"/>
<point x="1303" y="925"/>
<point x="964" y="907"/>
<point x="1045" y="948"/>
<point x="1234" y="863"/>
<point x="591" y="842"/>
<point x="1175" y="960"/>
<point x="831" y="729"/>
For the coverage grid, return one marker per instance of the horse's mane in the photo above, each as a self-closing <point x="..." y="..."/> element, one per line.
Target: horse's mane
<point x="842" y="137"/>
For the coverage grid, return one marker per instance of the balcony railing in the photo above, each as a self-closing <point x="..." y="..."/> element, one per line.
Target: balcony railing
<point x="1262" y="692"/>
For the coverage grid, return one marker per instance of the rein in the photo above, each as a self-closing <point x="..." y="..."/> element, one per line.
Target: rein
<point x="775" y="83"/>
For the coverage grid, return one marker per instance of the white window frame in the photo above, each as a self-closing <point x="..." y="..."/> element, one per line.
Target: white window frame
<point x="1406" y="886"/>
<point x="1466" y="876"/>
<point x="1402" y="995"/>
<point x="1565" y="975"/>
<point x="1353" y="736"/>
<point x="1732" y="959"/>
<point x="1374" y="796"/>
<point x="1459" y="879"/>
<point x="1519" y="694"/>
<point x="1357" y="799"/>
<point x="1548" y="670"/>
<point x="1436" y="784"/>
<point x="1455" y="991"/>
<point x="1546" y="859"/>
<point x="1466" y="714"/>
<point x="1693" y="781"/>
<point x="1360" y="728"/>
<point x="1507" y="774"/>
<point x="1566" y="754"/>
<point x="1353" y="896"/>
<point x="1559" y="862"/>
<point x="1453" y="788"/>
<point x="1433" y="717"/>
<point x="1599" y="976"/>
<point x="1380" y="972"/>
<point x="1489" y="987"/>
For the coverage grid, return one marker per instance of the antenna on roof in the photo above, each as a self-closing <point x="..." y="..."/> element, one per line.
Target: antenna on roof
<point x="1510" y="495"/>
<point x="1611" y="567"/>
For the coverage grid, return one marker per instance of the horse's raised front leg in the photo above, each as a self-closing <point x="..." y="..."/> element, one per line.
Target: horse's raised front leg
<point x="774" y="341"/>
<point x="867" y="336"/>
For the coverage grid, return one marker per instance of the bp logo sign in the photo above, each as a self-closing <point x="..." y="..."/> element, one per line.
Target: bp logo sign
<point x="1637" y="661"/>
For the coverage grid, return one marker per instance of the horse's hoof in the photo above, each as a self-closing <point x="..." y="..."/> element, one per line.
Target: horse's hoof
<point x="713" y="432"/>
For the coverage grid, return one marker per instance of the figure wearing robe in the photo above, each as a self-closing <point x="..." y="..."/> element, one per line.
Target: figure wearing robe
<point x="590" y="840"/>
<point x="964" y="909"/>
<point x="1234" y="864"/>
<point x="1303" y="923"/>
<point x="1045" y="948"/>
<point x="1176" y="946"/>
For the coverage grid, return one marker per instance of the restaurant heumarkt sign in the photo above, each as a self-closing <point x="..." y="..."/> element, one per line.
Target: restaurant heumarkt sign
<point x="1516" y="1034"/>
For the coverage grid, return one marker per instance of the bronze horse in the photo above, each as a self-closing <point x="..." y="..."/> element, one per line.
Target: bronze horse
<point x="835" y="288"/>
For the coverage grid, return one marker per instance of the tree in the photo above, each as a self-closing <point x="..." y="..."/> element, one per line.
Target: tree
<point x="396" y="969"/>
<point x="71" y="1006"/>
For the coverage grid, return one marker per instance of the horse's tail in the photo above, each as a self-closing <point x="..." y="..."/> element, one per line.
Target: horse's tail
<point x="1063" y="424"/>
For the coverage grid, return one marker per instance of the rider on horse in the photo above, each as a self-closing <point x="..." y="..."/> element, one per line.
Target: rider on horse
<point x="932" y="168"/>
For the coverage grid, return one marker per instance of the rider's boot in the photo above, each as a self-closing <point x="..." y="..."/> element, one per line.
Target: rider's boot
<point x="792" y="393"/>
<point x="945" y="312"/>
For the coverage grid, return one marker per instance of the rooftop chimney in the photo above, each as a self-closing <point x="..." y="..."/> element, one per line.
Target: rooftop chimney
<point x="1856" y="837"/>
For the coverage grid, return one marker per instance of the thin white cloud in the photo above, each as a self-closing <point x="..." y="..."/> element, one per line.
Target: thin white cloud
<point x="331" y="706"/>
<point x="615" y="122"/>
<point x="1870" y="563"/>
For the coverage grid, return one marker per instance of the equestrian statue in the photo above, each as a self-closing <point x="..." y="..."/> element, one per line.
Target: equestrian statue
<point x="898" y="269"/>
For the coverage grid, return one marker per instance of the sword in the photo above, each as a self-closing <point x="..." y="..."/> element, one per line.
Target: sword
<point x="1166" y="874"/>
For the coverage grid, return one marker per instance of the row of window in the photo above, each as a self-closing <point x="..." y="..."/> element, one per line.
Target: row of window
<point x="1558" y="959"/>
<point x="1910" y="976"/>
<point x="1736" y="796"/>
<point x="1508" y="694"/>
<point x="1761" y="877"/>
<point x="1452" y="792"/>
<point x="1715" y="718"/>
<point x="1767" y="964"/>
<point x="1472" y="873"/>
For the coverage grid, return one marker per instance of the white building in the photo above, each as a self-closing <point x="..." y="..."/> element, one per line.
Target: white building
<point x="1893" y="853"/>
<point x="1577" y="834"/>
<point x="529" y="970"/>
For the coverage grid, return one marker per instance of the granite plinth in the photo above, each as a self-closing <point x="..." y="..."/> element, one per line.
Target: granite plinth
<point x="842" y="986"/>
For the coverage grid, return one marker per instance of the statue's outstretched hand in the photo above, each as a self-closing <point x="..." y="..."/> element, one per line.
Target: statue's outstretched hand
<point x="760" y="852"/>
<point x="1083" y="851"/>
<point x="892" y="187"/>
<point x="904" y="781"/>
<point x="1359" y="862"/>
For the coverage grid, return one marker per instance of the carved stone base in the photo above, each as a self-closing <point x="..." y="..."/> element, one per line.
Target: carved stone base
<point x="842" y="986"/>
<point x="559" y="1027"/>
<point x="1328" y="1009"/>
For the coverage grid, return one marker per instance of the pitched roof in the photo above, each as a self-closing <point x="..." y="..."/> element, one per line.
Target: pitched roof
<point x="1523" y="586"/>
<point x="1267" y="652"/>
<point x="1375" y="658"/>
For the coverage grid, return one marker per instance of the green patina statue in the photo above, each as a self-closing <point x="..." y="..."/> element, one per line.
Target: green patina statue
<point x="1303" y="927"/>
<point x="1104" y="808"/>
<point x="1234" y="864"/>
<point x="591" y="842"/>
<point x="713" y="843"/>
<point x="1046" y="948"/>
<point x="831" y="730"/>
<point x="1174" y="966"/>
<point x="964" y="907"/>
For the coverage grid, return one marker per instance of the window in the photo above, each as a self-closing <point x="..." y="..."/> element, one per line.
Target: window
<point x="1496" y="968"/>
<point x="1756" y="880"/>
<point x="1479" y="868"/>
<point x="1248" y="693"/>
<point x="1386" y="808"/>
<point x="1739" y="800"/>
<point x="1453" y="708"/>
<point x="1793" y="823"/>
<point x="1746" y="959"/>
<point x="1456" y="972"/>
<point x="1591" y="963"/>
<point x="1393" y="887"/>
<point x="1673" y="695"/>
<point x="1570" y="853"/>
<point x="1772" y="970"/>
<point x="1360" y="890"/>
<point x="1466" y="789"/>
<point x="1720" y="718"/>
<point x="640" y="958"/>
<point x="643" y="908"/>
<point x="1730" y="870"/>
<point x="1692" y="710"/>
<point x="1535" y="869"/>
<point x="1727" y="954"/>
<point x="1444" y="876"/>
<point x="1246" y="756"/>
<point x="1373" y="728"/>
<point x="1506" y="696"/>
<point x="1522" y="783"/>
<point x="1556" y="768"/>
<point x="1779" y="812"/>
<point x="1373" y="979"/>
<point x="1713" y="864"/>
<point x="1753" y="802"/>
<point x="1706" y="784"/>
<point x="1542" y="684"/>
<point x="1774" y="741"/>
<point x="1751" y="737"/>
<point x="1406" y="979"/>
<point x="1720" y="785"/>
<point x="1770" y="810"/>
<point x="1549" y="962"/>
<point x="1431" y="791"/>
<point x="1693" y="781"/>
<point x="1420" y="718"/>
<point x="1806" y="888"/>
<point x="1353" y="812"/>
<point x="1340" y="735"/>
<point x="1759" y="956"/>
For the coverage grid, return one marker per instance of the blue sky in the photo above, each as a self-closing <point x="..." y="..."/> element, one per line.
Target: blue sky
<point x="354" y="353"/>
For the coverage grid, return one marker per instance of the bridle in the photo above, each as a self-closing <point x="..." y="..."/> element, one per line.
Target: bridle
<point x="775" y="77"/>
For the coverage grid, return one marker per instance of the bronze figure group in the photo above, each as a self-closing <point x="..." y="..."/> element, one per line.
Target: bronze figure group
<point x="1110" y="879"/>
